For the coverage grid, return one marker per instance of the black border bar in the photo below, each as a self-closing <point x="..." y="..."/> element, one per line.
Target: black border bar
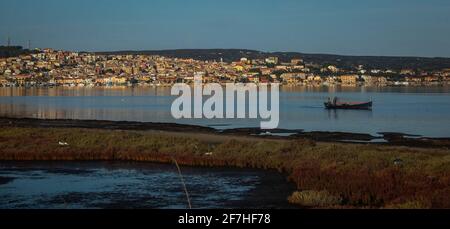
<point x="342" y="217"/>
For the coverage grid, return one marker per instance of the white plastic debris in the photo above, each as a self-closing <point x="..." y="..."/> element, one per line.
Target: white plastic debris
<point x="63" y="143"/>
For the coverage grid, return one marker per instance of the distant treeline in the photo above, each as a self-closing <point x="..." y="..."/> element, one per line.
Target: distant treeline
<point x="13" y="51"/>
<point x="344" y="62"/>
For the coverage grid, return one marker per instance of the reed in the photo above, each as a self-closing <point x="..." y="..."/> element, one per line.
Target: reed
<point x="183" y="183"/>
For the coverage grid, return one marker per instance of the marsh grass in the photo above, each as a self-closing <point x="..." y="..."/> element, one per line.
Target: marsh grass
<point x="360" y="175"/>
<point x="412" y="204"/>
<point x="314" y="199"/>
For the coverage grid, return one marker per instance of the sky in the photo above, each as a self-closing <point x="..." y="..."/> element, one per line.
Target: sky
<point x="347" y="27"/>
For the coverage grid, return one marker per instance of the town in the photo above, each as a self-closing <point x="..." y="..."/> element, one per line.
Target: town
<point x="49" y="68"/>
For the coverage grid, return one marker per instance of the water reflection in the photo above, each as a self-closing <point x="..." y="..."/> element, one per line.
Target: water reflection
<point x="412" y="110"/>
<point x="357" y="114"/>
<point x="85" y="91"/>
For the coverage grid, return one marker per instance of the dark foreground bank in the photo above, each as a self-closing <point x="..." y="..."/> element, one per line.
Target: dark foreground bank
<point x="326" y="174"/>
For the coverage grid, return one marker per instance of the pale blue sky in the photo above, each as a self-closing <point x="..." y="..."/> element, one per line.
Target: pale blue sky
<point x="357" y="27"/>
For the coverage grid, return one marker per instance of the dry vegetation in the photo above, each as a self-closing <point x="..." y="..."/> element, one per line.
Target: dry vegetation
<point x="314" y="199"/>
<point x="352" y="175"/>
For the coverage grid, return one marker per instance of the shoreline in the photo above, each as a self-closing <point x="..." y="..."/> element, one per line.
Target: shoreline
<point x="391" y="85"/>
<point x="385" y="138"/>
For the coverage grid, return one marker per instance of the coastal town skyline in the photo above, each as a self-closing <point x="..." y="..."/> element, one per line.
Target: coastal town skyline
<point x="363" y="28"/>
<point x="49" y="67"/>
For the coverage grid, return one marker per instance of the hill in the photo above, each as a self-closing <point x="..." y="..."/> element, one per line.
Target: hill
<point x="12" y="51"/>
<point x="371" y="62"/>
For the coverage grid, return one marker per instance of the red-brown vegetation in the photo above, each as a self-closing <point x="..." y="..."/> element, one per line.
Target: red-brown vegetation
<point x="358" y="175"/>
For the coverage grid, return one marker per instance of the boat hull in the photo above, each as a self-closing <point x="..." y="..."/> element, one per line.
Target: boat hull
<point x="347" y="106"/>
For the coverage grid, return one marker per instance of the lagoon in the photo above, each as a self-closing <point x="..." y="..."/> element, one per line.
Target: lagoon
<point x="87" y="185"/>
<point x="412" y="110"/>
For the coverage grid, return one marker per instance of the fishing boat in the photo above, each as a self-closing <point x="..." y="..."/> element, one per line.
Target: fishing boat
<point x="335" y="104"/>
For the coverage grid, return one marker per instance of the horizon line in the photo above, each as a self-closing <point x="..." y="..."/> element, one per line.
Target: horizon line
<point x="246" y="49"/>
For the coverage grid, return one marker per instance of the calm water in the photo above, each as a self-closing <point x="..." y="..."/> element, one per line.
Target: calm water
<point x="411" y="110"/>
<point x="136" y="185"/>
